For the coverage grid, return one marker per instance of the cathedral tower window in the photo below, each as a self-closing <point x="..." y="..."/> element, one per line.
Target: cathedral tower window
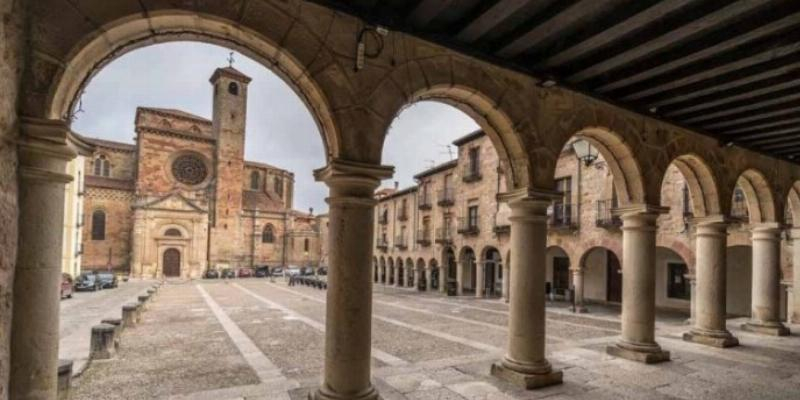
<point x="166" y="124"/>
<point x="99" y="225"/>
<point x="173" y="232"/>
<point x="278" y="183"/>
<point x="254" y="178"/>
<point x="102" y="167"/>
<point x="305" y="245"/>
<point x="268" y="234"/>
<point x="189" y="169"/>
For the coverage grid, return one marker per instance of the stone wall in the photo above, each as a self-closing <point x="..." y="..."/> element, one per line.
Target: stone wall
<point x="11" y="62"/>
<point x="123" y="162"/>
<point x="119" y="224"/>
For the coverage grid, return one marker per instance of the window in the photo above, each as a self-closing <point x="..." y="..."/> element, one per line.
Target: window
<point x="305" y="245"/>
<point x="278" y="185"/>
<point x="562" y="207"/>
<point x="102" y="167"/>
<point x="233" y="88"/>
<point x="165" y="124"/>
<point x="472" y="217"/>
<point x="687" y="203"/>
<point x="268" y="234"/>
<point x="254" y="178"/>
<point x="99" y="225"/>
<point x="474" y="160"/>
<point x="174" y="232"/>
<point x="677" y="286"/>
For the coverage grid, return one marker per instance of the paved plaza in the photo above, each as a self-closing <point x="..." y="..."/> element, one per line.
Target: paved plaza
<point x="86" y="309"/>
<point x="254" y="339"/>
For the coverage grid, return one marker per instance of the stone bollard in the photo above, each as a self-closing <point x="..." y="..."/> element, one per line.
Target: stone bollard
<point x="139" y="311"/>
<point x="143" y="299"/>
<point x="117" y="323"/>
<point x="64" y="378"/>
<point x="152" y="293"/>
<point x="129" y="315"/>
<point x="103" y="346"/>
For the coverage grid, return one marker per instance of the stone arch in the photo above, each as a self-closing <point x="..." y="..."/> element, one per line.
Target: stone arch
<point x="390" y="273"/>
<point x="602" y="273"/>
<point x="702" y="184"/>
<point x="467" y="268"/>
<point x="117" y="37"/>
<point x="492" y="263"/>
<point x="759" y="196"/>
<point x="558" y="273"/>
<point x="681" y="248"/>
<point x="168" y="228"/>
<point x="498" y="126"/>
<point x="793" y="204"/>
<point x="450" y="263"/>
<point x="625" y="168"/>
<point x="411" y="272"/>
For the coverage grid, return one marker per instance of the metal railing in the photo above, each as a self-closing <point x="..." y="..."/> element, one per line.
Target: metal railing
<point x="444" y="235"/>
<point x="382" y="244"/>
<point x="604" y="217"/>
<point x="446" y="197"/>
<point x="425" y="202"/>
<point x="468" y="226"/>
<point x="739" y="210"/>
<point x="400" y="242"/>
<point x="424" y="237"/>
<point x="402" y="215"/>
<point x="564" y="216"/>
<point x="471" y="174"/>
<point x="383" y="219"/>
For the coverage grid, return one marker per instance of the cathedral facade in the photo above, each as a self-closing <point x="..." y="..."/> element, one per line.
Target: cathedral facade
<point x="183" y="199"/>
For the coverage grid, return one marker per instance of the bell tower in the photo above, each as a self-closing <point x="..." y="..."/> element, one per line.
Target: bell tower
<point x="228" y="127"/>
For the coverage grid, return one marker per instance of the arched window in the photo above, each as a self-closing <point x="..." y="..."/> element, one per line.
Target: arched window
<point x="165" y="123"/>
<point x="278" y="185"/>
<point x="305" y="245"/>
<point x="195" y="129"/>
<point x="98" y="225"/>
<point x="102" y="167"/>
<point x="268" y="234"/>
<point x="174" y="232"/>
<point x="254" y="178"/>
<point x="233" y="88"/>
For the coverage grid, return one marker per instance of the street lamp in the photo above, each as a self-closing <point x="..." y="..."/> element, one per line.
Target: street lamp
<point x="584" y="151"/>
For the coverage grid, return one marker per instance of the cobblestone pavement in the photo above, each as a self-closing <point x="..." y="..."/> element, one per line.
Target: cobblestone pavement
<point x="251" y="339"/>
<point x="86" y="309"/>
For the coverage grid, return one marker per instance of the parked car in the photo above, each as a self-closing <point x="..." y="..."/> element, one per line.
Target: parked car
<point x="228" y="273"/>
<point x="306" y="271"/>
<point x="262" y="272"/>
<point x="66" y="286"/>
<point x="87" y="281"/>
<point x="277" y="271"/>
<point x="246" y="272"/>
<point x="322" y="271"/>
<point x="293" y="271"/>
<point x="211" y="274"/>
<point x="107" y="280"/>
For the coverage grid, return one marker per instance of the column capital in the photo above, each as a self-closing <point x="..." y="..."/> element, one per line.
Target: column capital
<point x="639" y="216"/>
<point x="711" y="225"/>
<point x="353" y="173"/>
<point x="44" y="149"/>
<point x="528" y="203"/>
<point x="528" y="194"/>
<point x="766" y="231"/>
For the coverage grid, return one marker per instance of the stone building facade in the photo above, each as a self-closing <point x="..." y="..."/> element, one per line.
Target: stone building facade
<point x="450" y="227"/>
<point x="183" y="199"/>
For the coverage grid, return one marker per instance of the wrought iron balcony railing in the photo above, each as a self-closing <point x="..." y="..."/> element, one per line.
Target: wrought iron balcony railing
<point x="402" y="215"/>
<point x="400" y="242"/>
<point x="471" y="174"/>
<point x="468" y="226"/>
<point x="424" y="237"/>
<point x="382" y="244"/>
<point x="425" y="202"/>
<point x="563" y="216"/>
<point x="383" y="219"/>
<point x="604" y="217"/>
<point x="444" y="235"/>
<point x="446" y="197"/>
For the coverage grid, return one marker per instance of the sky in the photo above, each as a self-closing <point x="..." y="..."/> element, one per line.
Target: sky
<point x="280" y="130"/>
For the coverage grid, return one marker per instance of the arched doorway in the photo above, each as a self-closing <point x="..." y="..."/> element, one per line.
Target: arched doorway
<point x="412" y="273"/>
<point x="450" y="265"/>
<point x="492" y="272"/>
<point x="602" y="276"/>
<point x="400" y="272"/>
<point x="422" y="281"/>
<point x="740" y="280"/>
<point x="435" y="278"/>
<point x="383" y="270"/>
<point x="390" y="278"/>
<point x="558" y="273"/>
<point x="171" y="263"/>
<point x="468" y="271"/>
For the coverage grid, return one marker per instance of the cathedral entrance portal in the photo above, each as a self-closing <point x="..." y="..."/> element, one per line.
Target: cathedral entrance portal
<point x="172" y="263"/>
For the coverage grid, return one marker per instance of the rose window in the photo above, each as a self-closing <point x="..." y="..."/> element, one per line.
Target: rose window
<point x="189" y="169"/>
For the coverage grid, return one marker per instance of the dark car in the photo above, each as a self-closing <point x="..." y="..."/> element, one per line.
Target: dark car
<point x="322" y="271"/>
<point x="246" y="272"/>
<point x="277" y="271"/>
<point x="107" y="280"/>
<point x="262" y="272"/>
<point x="228" y="273"/>
<point x="211" y="274"/>
<point x="66" y="286"/>
<point x="87" y="282"/>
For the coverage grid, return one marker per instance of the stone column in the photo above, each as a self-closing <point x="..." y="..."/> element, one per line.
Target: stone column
<point x="43" y="155"/>
<point x="460" y="268"/>
<point x="639" y="286"/>
<point x="709" y="296"/>
<point x="766" y="281"/>
<point x="577" y="282"/>
<point x="794" y="317"/>
<point x="348" y="321"/>
<point x="397" y="276"/>
<point x="506" y="280"/>
<point x="442" y="279"/>
<point x="479" y="280"/>
<point x="524" y="363"/>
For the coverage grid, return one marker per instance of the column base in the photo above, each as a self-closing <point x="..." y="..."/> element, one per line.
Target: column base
<point x="721" y="339"/>
<point x="323" y="394"/>
<point x="766" y="328"/>
<point x="651" y="354"/>
<point x="579" y="309"/>
<point x="527" y="380"/>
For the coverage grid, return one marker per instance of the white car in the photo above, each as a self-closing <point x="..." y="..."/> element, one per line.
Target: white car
<point x="293" y="271"/>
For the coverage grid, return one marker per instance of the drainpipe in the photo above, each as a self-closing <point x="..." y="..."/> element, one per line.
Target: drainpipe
<point x="285" y="237"/>
<point x="253" y="241"/>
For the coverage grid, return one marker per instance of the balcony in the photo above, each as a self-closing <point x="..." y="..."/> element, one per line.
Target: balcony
<point x="501" y="229"/>
<point x="424" y="237"/>
<point x="739" y="211"/>
<point x="402" y="215"/>
<point x="382" y="244"/>
<point x="444" y="235"/>
<point x="604" y="217"/>
<point x="425" y="202"/>
<point x="400" y="242"/>
<point x="383" y="219"/>
<point x="446" y="197"/>
<point x="471" y="174"/>
<point x="467" y="226"/>
<point x="563" y="217"/>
